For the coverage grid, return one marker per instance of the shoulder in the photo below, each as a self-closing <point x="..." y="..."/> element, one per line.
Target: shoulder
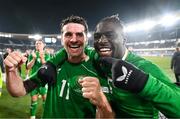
<point x="149" y="67"/>
<point x="91" y="52"/>
<point x="135" y="59"/>
<point x="141" y="62"/>
<point x="59" y="57"/>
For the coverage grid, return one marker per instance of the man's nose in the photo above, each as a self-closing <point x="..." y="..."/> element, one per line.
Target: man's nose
<point x="74" y="38"/>
<point x="103" y="39"/>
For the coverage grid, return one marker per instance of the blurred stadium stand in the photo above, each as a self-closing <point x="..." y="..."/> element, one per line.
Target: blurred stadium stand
<point x="168" y="38"/>
<point x="23" y="44"/>
<point x="157" y="41"/>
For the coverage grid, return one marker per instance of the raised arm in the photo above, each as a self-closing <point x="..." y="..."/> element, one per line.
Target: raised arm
<point x="30" y="64"/>
<point x="14" y="82"/>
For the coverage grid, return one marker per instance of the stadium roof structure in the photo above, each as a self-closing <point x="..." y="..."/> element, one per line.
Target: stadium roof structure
<point x="44" y="16"/>
<point x="150" y="26"/>
<point x="165" y="20"/>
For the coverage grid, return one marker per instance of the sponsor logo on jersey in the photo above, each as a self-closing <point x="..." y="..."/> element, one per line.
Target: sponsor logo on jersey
<point x="121" y="78"/>
<point x="125" y="75"/>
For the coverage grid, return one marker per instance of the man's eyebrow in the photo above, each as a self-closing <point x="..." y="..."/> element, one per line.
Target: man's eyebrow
<point x="74" y="32"/>
<point x="104" y="31"/>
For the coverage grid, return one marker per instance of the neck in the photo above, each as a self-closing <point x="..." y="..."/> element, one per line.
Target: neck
<point x="123" y="52"/>
<point x="77" y="59"/>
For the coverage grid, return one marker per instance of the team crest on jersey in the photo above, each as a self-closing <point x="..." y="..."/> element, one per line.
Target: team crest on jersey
<point x="105" y="89"/>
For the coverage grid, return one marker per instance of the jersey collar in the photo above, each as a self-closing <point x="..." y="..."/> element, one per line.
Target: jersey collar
<point x="125" y="54"/>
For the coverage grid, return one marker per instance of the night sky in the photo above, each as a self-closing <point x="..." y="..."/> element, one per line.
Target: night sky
<point x="44" y="16"/>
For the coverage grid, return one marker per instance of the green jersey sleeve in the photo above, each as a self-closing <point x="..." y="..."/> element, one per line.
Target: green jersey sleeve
<point x="59" y="57"/>
<point x="91" y="52"/>
<point x="30" y="58"/>
<point x="163" y="96"/>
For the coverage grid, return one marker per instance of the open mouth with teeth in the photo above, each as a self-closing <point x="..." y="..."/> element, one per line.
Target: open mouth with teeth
<point x="74" y="46"/>
<point x="105" y="51"/>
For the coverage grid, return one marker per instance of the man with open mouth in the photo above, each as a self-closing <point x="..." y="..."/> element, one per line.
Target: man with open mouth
<point x="67" y="96"/>
<point x="139" y="87"/>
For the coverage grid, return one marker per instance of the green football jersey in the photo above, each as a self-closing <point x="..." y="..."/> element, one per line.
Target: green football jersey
<point x="142" y="105"/>
<point x="37" y="63"/>
<point x="64" y="98"/>
<point x="158" y="93"/>
<point x="163" y="96"/>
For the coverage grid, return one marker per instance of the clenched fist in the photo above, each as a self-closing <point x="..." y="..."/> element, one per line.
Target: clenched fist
<point x="13" y="60"/>
<point x="91" y="89"/>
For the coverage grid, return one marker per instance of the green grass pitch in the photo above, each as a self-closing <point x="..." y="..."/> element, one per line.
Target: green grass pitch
<point x="164" y="64"/>
<point x="11" y="107"/>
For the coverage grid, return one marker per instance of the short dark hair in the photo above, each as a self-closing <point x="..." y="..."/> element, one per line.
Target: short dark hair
<point x="115" y="19"/>
<point x="75" y="19"/>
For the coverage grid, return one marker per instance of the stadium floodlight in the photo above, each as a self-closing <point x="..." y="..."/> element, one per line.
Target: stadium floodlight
<point x="5" y="35"/>
<point x="89" y="35"/>
<point x="130" y="28"/>
<point x="168" y="20"/>
<point x="146" y="25"/>
<point x="59" y="36"/>
<point x="8" y="35"/>
<point x="36" y="37"/>
<point x="53" y="40"/>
